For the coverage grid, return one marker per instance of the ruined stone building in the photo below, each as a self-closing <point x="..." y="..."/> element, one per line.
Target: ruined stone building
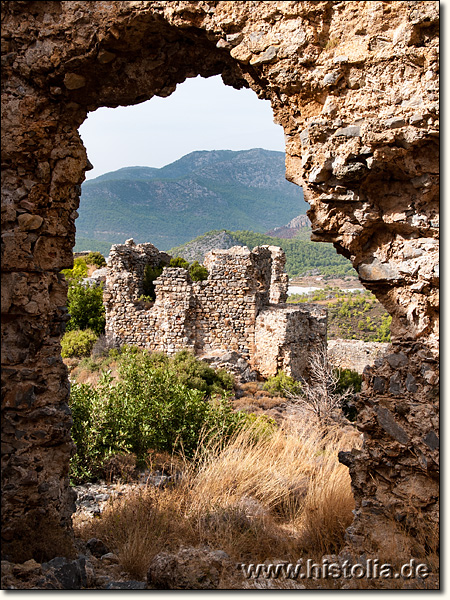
<point x="239" y="307"/>
<point x="355" y="86"/>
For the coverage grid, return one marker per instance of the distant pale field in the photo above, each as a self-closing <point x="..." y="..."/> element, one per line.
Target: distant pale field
<point x="297" y="289"/>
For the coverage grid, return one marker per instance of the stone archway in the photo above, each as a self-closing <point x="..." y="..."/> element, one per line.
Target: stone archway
<point x="355" y="89"/>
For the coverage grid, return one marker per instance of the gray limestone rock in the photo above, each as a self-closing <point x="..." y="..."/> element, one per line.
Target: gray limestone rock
<point x="396" y="360"/>
<point x="350" y="131"/>
<point x="377" y="271"/>
<point x="71" y="574"/>
<point x="331" y="78"/>
<point x="394" y="123"/>
<point x="266" y="57"/>
<point x="388" y="423"/>
<point x="431" y="440"/>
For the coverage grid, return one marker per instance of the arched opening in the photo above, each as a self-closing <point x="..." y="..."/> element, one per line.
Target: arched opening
<point x="122" y="71"/>
<point x="175" y="168"/>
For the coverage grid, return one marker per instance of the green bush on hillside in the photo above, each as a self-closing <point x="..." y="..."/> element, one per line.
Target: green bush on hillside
<point x="383" y="332"/>
<point x="198" y="272"/>
<point x="77" y="273"/>
<point x="198" y="375"/>
<point x="85" y="306"/>
<point x="78" y="343"/>
<point x="348" y="379"/>
<point x="281" y="384"/>
<point x="179" y="263"/>
<point x="84" y="302"/>
<point x="95" y="258"/>
<point x="151" y="406"/>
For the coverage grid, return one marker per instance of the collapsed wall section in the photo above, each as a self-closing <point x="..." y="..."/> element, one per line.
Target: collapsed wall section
<point x="285" y="339"/>
<point x="237" y="308"/>
<point x="355" y="354"/>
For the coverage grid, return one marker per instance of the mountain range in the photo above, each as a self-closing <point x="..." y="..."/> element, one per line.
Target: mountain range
<point x="200" y="192"/>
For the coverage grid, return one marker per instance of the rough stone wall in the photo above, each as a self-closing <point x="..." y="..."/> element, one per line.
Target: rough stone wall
<point x="355" y="87"/>
<point x="237" y="308"/>
<point x="285" y="339"/>
<point x="355" y="354"/>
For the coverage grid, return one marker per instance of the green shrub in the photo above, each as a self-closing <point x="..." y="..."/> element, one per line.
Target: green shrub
<point x="77" y="273"/>
<point x="282" y="383"/>
<point x="383" y="332"/>
<point x="91" y="363"/>
<point x="85" y="305"/>
<point x="348" y="379"/>
<point x="198" y="272"/>
<point x="179" y="263"/>
<point x="95" y="258"/>
<point x="77" y="343"/>
<point x="198" y="375"/>
<point x="149" y="407"/>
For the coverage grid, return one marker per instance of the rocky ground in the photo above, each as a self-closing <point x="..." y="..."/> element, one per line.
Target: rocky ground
<point x="97" y="567"/>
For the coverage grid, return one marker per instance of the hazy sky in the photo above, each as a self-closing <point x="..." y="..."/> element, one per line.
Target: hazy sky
<point x="202" y="114"/>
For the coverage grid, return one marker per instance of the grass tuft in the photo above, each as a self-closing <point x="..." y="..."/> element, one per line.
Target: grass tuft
<point x="257" y="497"/>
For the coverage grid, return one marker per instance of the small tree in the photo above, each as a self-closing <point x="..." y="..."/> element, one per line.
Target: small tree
<point x="198" y="272"/>
<point x="95" y="258"/>
<point x="322" y="394"/>
<point x="85" y="305"/>
<point x="281" y="384"/>
<point x="179" y="262"/>
<point x="77" y="273"/>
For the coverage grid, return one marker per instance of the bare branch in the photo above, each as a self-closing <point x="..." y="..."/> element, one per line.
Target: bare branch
<point x="320" y="394"/>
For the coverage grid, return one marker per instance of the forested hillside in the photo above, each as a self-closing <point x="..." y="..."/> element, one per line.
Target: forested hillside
<point x="302" y="256"/>
<point x="200" y="192"/>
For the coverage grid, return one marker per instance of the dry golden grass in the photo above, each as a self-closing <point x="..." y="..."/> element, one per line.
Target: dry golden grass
<point x="276" y="498"/>
<point x="250" y="388"/>
<point x="165" y="462"/>
<point x="86" y="374"/>
<point x="258" y="403"/>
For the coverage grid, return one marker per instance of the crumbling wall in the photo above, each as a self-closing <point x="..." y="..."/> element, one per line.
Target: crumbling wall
<point x="354" y="85"/>
<point x="286" y="339"/>
<point x="222" y="312"/>
<point x="355" y="354"/>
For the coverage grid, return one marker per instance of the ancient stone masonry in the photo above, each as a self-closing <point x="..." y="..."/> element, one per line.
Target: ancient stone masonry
<point x="354" y="354"/>
<point x="238" y="308"/>
<point x="355" y="87"/>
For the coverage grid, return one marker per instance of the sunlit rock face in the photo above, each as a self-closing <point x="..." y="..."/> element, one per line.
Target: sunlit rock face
<point x="355" y="87"/>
